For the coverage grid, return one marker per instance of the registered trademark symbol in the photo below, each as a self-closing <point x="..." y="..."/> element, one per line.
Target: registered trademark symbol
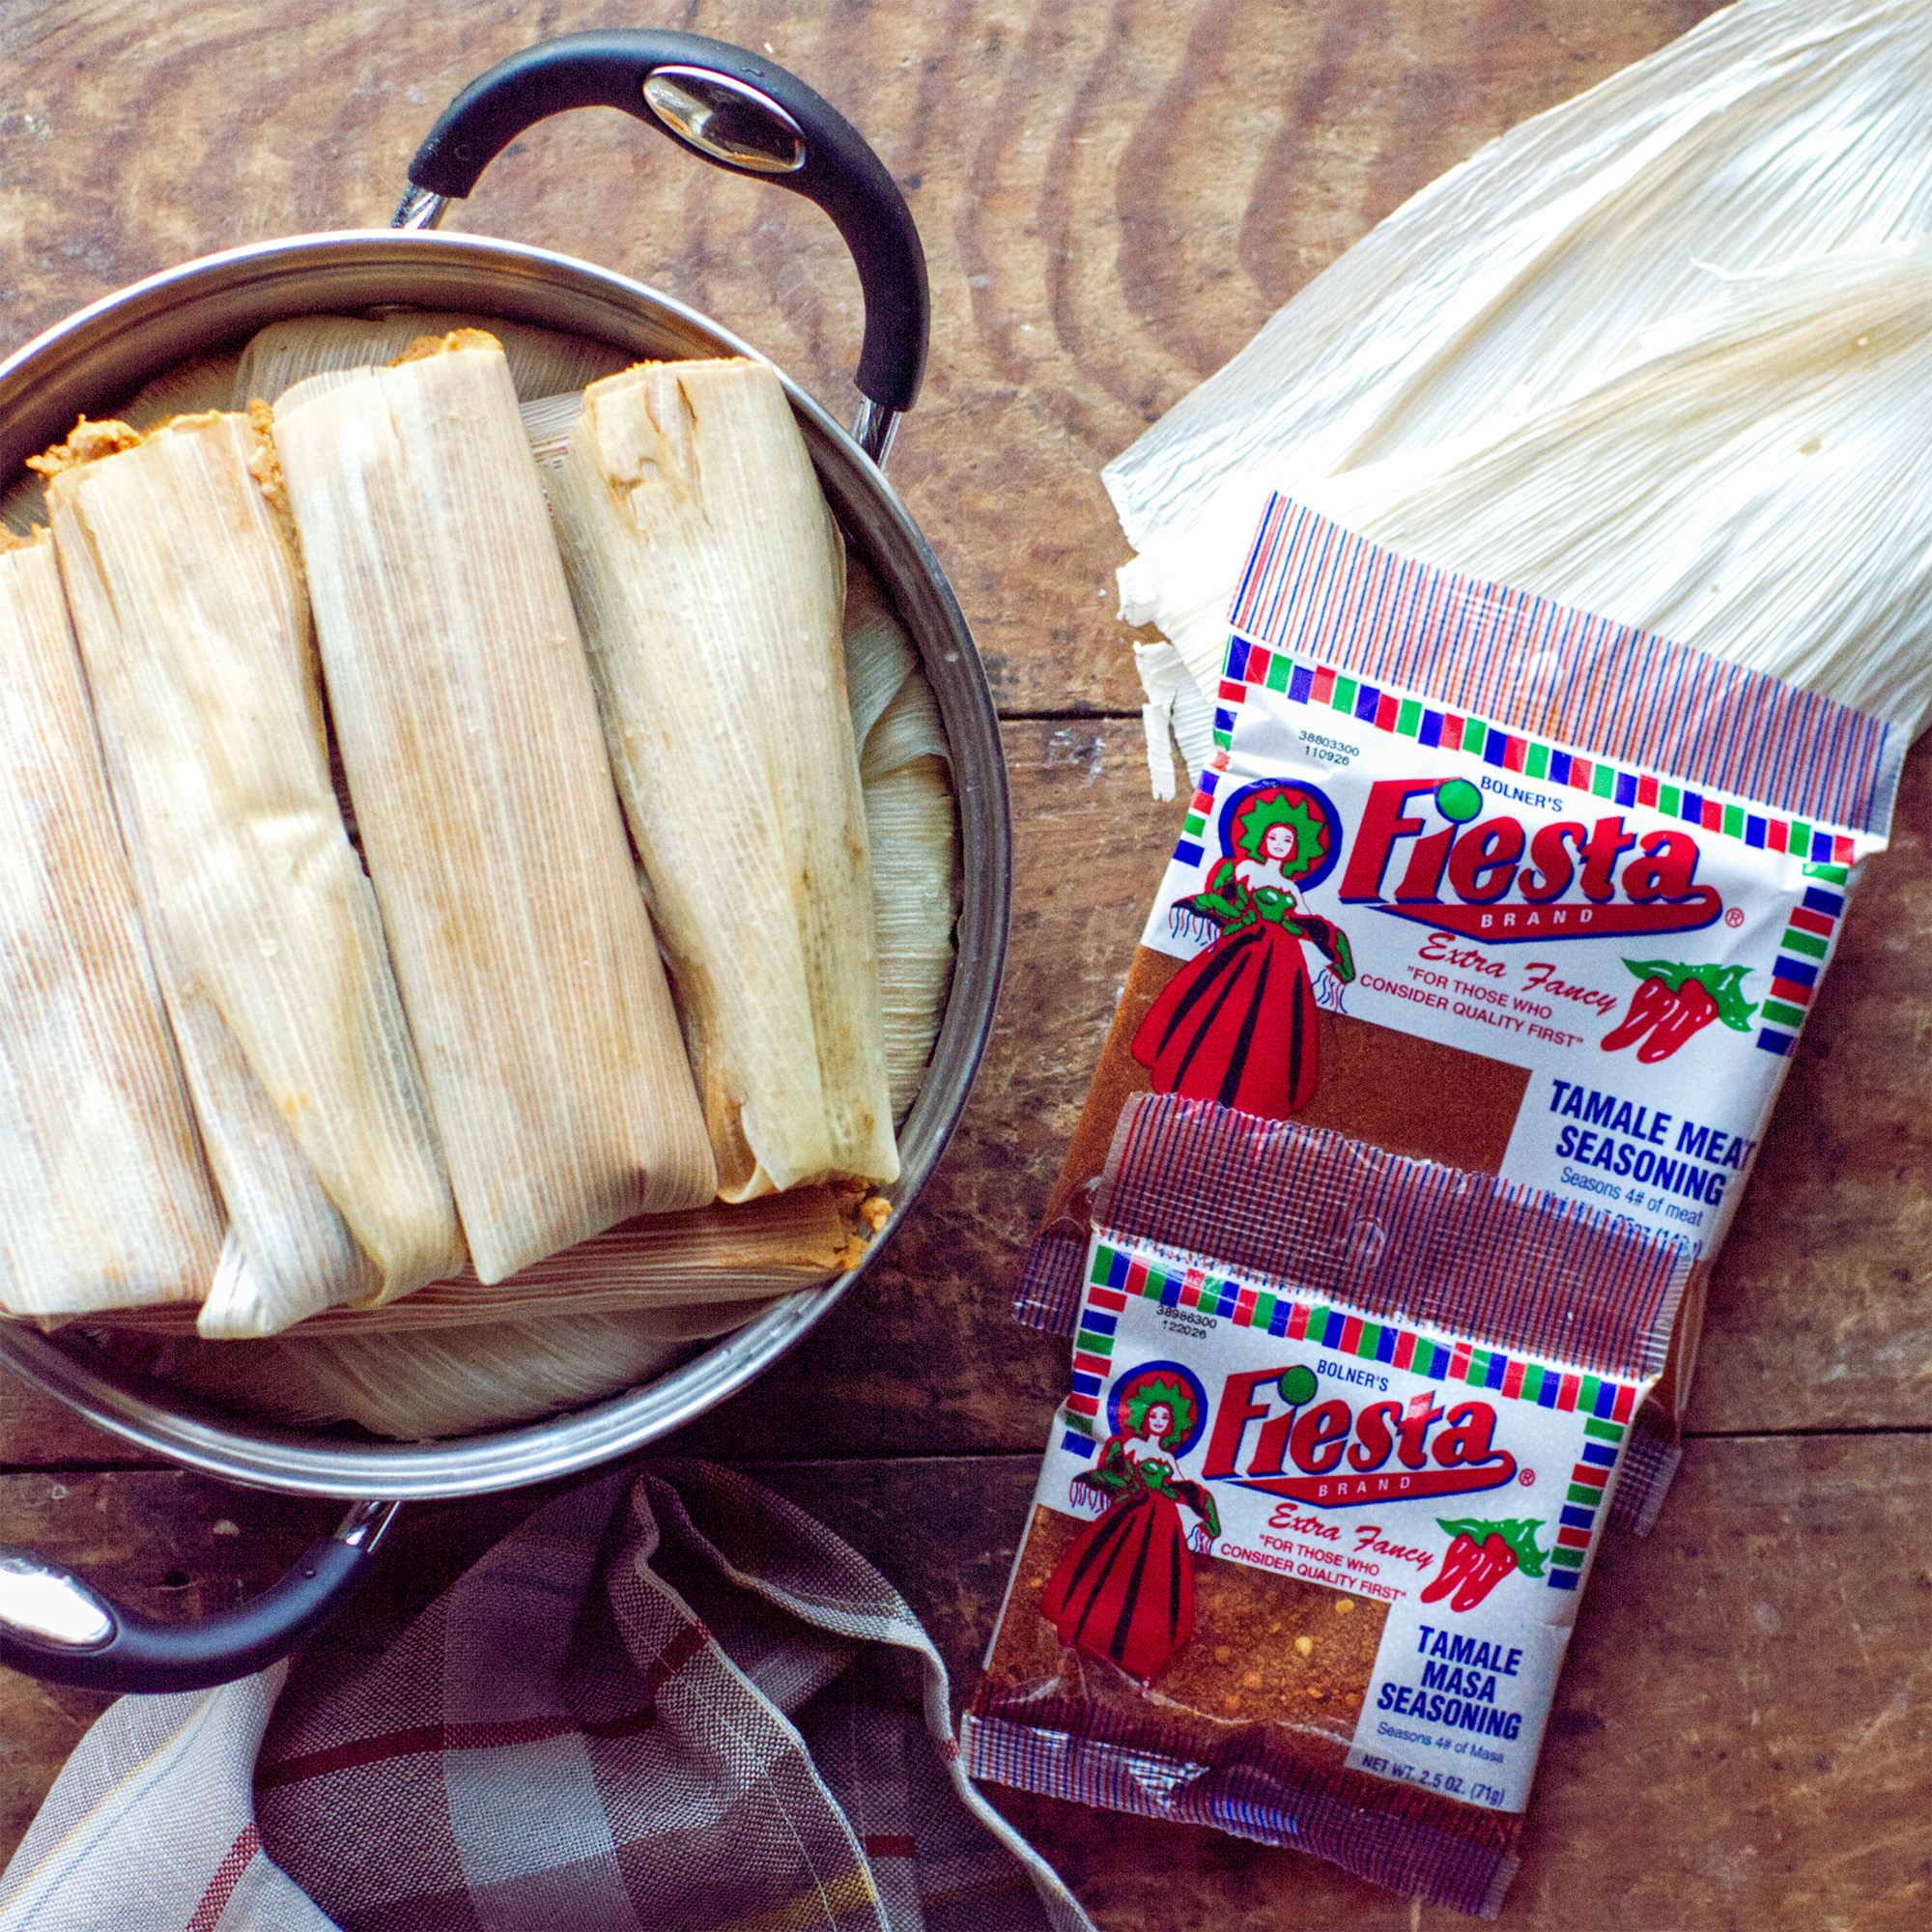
<point x="1735" y="916"/>
<point x="1527" y="1478"/>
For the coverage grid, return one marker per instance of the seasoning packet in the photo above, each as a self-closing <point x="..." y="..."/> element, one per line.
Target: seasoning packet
<point x="1307" y="1545"/>
<point x="1439" y="1072"/>
<point x="1489" y="881"/>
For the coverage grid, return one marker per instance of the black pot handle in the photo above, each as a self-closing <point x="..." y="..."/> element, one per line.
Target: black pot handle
<point x="738" y="111"/>
<point x="54" y="1626"/>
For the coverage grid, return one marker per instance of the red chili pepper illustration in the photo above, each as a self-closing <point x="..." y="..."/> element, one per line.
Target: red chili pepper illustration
<point x="1497" y="1559"/>
<point x="1693" y="1009"/>
<point x="1479" y="1556"/>
<point x="1458" y="1563"/>
<point x="1646" y="1008"/>
<point x="1674" y="1001"/>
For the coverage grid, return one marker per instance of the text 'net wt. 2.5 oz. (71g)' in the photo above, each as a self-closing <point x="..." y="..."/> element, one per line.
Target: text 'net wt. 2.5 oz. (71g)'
<point x="1448" y="1047"/>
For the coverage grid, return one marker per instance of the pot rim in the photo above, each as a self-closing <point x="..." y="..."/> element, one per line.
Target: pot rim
<point x="101" y="353"/>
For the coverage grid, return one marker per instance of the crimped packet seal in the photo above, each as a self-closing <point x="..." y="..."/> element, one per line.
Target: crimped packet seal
<point x="1313" y="1212"/>
<point x="1237" y="1270"/>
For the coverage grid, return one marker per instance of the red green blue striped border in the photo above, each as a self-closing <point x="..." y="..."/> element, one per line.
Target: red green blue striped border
<point x="1583" y="1500"/>
<point x="1801" y="958"/>
<point x="1116" y="1273"/>
<point x="1325" y="688"/>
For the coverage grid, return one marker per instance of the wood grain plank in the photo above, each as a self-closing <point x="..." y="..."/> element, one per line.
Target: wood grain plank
<point x="1113" y="195"/>
<point x="39" y="1433"/>
<point x="1821" y="1302"/>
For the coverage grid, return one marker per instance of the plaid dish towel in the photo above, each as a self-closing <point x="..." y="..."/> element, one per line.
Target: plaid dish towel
<point x="669" y="1700"/>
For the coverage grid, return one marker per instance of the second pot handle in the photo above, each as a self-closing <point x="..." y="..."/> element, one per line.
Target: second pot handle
<point x="734" y="109"/>
<point x="56" y="1627"/>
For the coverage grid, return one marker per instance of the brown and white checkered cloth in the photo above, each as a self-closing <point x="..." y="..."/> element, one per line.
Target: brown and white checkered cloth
<point x="670" y="1700"/>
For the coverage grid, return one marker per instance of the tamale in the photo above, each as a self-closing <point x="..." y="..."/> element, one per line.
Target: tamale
<point x="541" y="361"/>
<point x="708" y="576"/>
<point x="911" y="820"/>
<point x="104" y="1198"/>
<point x="912" y="830"/>
<point x="468" y="733"/>
<point x="201" y="383"/>
<point x="192" y="622"/>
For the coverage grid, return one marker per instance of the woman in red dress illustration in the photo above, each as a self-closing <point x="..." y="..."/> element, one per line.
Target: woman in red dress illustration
<point x="1126" y="1589"/>
<point x="1236" y="1024"/>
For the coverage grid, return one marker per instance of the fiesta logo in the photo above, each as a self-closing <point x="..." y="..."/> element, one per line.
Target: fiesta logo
<point x="1382" y="1453"/>
<point x="1505" y="885"/>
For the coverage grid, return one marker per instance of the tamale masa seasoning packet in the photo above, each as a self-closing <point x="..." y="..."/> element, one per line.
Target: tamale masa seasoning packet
<point x="1446" y="1052"/>
<point x="1307" y="1545"/>
<point x="1496" y="883"/>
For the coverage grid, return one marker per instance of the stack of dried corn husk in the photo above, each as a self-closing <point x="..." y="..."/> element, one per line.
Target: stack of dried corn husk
<point x="1656" y="351"/>
<point x="913" y="828"/>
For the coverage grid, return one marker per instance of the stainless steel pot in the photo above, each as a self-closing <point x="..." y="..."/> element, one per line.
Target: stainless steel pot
<point x="740" y="113"/>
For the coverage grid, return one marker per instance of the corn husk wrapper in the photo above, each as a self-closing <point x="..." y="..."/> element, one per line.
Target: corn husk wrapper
<point x="470" y="736"/>
<point x="23" y="508"/>
<point x="912" y="827"/>
<point x="190" y="388"/>
<point x="1775" y="133"/>
<point x="662" y="1265"/>
<point x="548" y="421"/>
<point x="541" y="361"/>
<point x="457" y="1355"/>
<point x="105" y="1199"/>
<point x="911" y="818"/>
<point x="708" y="574"/>
<point x="190" y="609"/>
<point x="417" y="1387"/>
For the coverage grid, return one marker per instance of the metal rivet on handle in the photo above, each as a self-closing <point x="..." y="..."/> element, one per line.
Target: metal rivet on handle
<point x="727" y="119"/>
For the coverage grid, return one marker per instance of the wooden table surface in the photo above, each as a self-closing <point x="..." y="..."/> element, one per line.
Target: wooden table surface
<point x="1113" y="196"/>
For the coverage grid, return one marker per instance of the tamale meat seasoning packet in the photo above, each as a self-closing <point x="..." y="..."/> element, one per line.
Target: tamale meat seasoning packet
<point x="1307" y="1545"/>
<point x="1495" y="882"/>
<point x="1448" y="1048"/>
